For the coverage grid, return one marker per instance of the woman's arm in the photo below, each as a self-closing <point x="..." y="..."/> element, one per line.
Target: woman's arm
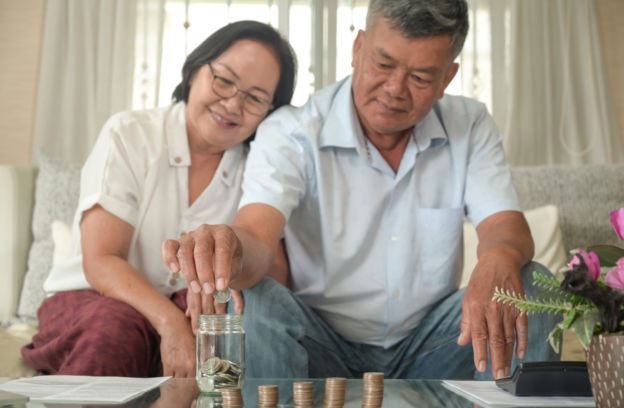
<point x="105" y="241"/>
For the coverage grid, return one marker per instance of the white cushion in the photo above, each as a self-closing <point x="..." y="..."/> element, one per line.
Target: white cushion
<point x="11" y="341"/>
<point x="546" y="231"/>
<point x="61" y="237"/>
<point x="56" y="196"/>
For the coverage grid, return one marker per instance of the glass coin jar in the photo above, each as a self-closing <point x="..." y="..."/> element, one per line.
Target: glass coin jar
<point x="208" y="401"/>
<point x="220" y="352"/>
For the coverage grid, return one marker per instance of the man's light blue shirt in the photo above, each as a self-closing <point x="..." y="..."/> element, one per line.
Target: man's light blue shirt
<point x="372" y="250"/>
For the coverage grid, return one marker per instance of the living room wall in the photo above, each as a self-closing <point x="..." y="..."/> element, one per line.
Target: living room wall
<point x="21" y="23"/>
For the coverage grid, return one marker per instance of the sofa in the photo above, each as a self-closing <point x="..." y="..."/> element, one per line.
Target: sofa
<point x="567" y="207"/>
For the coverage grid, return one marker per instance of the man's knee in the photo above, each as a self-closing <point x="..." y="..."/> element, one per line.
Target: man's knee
<point x="539" y="324"/>
<point x="267" y="298"/>
<point x="274" y="312"/>
<point x="526" y="274"/>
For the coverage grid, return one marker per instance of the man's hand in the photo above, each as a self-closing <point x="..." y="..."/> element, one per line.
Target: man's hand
<point x="484" y="320"/>
<point x="505" y="245"/>
<point x="177" y="349"/>
<point x="208" y="258"/>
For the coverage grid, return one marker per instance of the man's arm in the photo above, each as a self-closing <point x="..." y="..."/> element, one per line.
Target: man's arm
<point x="506" y="230"/>
<point x="260" y="228"/>
<point x="505" y="246"/>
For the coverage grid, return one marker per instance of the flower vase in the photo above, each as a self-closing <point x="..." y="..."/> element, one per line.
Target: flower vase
<point x="605" y="364"/>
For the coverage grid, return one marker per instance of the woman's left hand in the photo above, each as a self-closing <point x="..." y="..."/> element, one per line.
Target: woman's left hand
<point x="177" y="348"/>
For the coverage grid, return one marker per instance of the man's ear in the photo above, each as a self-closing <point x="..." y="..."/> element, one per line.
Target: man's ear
<point x="357" y="46"/>
<point x="448" y="77"/>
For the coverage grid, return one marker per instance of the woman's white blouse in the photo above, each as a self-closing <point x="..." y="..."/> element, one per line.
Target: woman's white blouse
<point x="138" y="171"/>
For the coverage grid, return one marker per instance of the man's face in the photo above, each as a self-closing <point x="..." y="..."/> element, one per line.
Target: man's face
<point x="396" y="79"/>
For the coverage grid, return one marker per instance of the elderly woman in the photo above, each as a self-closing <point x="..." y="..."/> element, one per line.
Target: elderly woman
<point x="114" y="307"/>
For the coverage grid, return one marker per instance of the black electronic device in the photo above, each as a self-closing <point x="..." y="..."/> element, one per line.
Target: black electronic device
<point x="548" y="379"/>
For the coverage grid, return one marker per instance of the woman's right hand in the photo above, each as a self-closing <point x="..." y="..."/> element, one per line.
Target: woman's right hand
<point x="208" y="258"/>
<point x="200" y="303"/>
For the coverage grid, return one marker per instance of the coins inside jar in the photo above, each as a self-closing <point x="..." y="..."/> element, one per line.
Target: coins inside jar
<point x="225" y="373"/>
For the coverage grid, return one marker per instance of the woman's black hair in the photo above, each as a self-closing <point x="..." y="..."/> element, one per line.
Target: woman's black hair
<point x="222" y="39"/>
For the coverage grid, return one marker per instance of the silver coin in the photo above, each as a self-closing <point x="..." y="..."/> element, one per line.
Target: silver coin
<point x="222" y="296"/>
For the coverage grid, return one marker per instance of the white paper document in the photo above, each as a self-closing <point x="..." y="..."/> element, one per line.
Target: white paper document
<point x="487" y="394"/>
<point x="82" y="389"/>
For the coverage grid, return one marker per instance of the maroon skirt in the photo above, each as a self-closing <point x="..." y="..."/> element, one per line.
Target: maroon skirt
<point x="84" y="333"/>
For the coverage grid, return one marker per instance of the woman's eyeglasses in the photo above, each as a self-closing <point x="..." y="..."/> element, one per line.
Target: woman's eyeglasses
<point x="226" y="88"/>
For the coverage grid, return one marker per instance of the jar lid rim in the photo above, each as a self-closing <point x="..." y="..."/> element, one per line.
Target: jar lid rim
<point x="220" y="317"/>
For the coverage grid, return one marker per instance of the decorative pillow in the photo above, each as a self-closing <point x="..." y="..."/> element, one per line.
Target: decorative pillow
<point x="545" y="228"/>
<point x="56" y="198"/>
<point x="584" y="196"/>
<point x="61" y="236"/>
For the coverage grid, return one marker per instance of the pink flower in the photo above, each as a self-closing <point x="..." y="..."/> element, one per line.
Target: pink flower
<point x="590" y="259"/>
<point x="617" y="220"/>
<point x="615" y="277"/>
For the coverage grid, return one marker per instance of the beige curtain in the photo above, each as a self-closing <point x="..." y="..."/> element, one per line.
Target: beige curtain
<point x="540" y="65"/>
<point x="85" y="76"/>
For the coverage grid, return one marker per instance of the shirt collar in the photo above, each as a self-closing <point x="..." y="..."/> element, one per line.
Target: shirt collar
<point x="342" y="120"/>
<point x="177" y="139"/>
<point x="430" y="132"/>
<point x="342" y="127"/>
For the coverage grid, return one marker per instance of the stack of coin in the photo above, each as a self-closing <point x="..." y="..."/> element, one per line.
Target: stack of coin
<point x="372" y="390"/>
<point x="335" y="389"/>
<point x="267" y="396"/>
<point x="231" y="397"/>
<point x="303" y="394"/>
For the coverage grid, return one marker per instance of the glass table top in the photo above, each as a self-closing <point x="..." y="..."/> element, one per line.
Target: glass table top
<point x="183" y="393"/>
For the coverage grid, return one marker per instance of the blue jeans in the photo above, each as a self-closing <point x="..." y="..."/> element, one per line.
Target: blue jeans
<point x="285" y="338"/>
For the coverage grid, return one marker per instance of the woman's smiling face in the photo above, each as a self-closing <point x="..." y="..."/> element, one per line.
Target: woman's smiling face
<point x="216" y="122"/>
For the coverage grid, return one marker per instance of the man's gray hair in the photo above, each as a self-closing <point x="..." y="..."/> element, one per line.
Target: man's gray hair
<point x="424" y="18"/>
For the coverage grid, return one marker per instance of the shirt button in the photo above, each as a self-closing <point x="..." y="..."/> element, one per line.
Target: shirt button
<point x="394" y="238"/>
<point x="178" y="159"/>
<point x="173" y="279"/>
<point x="225" y="173"/>
<point x="396" y="294"/>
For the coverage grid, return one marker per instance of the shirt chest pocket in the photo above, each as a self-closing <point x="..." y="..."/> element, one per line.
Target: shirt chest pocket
<point x="437" y="242"/>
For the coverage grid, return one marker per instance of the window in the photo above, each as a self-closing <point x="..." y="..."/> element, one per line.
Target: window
<point x="321" y="33"/>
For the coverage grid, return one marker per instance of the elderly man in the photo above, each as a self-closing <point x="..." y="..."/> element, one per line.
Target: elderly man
<point x="368" y="184"/>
